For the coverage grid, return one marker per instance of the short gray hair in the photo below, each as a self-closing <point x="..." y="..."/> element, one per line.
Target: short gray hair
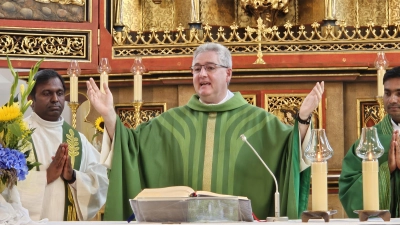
<point x="224" y="55"/>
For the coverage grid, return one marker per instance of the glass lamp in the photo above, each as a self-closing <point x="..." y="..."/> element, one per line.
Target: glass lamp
<point x="104" y="68"/>
<point x="369" y="150"/>
<point x="318" y="151"/>
<point x="381" y="64"/>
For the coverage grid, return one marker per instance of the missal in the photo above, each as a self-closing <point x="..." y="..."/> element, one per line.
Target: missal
<point x="183" y="204"/>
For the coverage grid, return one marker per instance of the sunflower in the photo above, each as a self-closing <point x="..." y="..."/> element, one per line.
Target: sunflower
<point x="99" y="124"/>
<point x="9" y="113"/>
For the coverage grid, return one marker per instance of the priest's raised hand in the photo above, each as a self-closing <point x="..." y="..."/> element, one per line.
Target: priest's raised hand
<point x="103" y="103"/>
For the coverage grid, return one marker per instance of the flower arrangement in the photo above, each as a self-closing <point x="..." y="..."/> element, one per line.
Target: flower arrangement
<point x="14" y="133"/>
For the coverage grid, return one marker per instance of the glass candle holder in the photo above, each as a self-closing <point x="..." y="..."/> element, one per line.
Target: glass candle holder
<point x="318" y="151"/>
<point x="370" y="149"/>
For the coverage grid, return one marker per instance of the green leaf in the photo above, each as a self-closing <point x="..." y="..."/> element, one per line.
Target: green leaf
<point x="15" y="129"/>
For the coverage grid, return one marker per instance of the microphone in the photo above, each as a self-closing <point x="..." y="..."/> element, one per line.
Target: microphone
<point x="277" y="200"/>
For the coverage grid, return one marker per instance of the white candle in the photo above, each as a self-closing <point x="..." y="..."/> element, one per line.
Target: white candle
<point x="137" y="87"/>
<point x="379" y="81"/>
<point x="319" y="186"/>
<point x="73" y="88"/>
<point x="103" y="80"/>
<point x="370" y="184"/>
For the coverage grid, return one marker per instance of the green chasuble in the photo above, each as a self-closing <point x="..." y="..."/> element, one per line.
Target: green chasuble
<point x="350" y="181"/>
<point x="199" y="146"/>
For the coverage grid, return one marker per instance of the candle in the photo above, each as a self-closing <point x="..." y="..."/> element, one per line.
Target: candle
<point x="73" y="88"/>
<point x="319" y="186"/>
<point x="137" y="88"/>
<point x="103" y="80"/>
<point x="370" y="184"/>
<point x="379" y="80"/>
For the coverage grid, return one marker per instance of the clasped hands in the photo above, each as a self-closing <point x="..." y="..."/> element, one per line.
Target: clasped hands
<point x="60" y="165"/>
<point x="394" y="152"/>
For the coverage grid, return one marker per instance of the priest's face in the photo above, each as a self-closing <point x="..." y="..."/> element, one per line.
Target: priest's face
<point x="49" y="99"/>
<point x="391" y="98"/>
<point x="210" y="78"/>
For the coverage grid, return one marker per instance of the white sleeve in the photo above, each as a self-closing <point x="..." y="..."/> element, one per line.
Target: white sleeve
<point x="91" y="183"/>
<point x="107" y="147"/>
<point x="304" y="162"/>
<point x="31" y="191"/>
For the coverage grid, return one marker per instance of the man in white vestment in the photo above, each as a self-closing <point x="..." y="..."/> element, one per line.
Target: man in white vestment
<point x="70" y="184"/>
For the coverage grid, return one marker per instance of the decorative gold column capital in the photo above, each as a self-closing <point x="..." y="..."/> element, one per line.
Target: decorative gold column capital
<point x="137" y="105"/>
<point x="74" y="107"/>
<point x="381" y="112"/>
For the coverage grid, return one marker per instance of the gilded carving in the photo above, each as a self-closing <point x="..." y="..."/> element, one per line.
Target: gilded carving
<point x="46" y="45"/>
<point x="64" y="2"/>
<point x="132" y="14"/>
<point x="128" y="119"/>
<point x="286" y="106"/>
<point x="158" y="16"/>
<point x="219" y="12"/>
<point x="394" y="11"/>
<point x="267" y="39"/>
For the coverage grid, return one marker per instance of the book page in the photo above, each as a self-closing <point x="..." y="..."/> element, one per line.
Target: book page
<point x="212" y="194"/>
<point x="175" y="191"/>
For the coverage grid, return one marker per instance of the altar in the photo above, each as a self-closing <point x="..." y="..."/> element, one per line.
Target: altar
<point x="290" y="222"/>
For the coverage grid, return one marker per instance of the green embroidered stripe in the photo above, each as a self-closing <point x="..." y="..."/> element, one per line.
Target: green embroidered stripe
<point x="208" y="153"/>
<point x="384" y="186"/>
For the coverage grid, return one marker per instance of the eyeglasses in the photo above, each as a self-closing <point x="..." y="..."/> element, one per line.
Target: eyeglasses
<point x="209" y="67"/>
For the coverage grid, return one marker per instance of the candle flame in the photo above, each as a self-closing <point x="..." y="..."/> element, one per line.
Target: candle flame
<point x="370" y="156"/>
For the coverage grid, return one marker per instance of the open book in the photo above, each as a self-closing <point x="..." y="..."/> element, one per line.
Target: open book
<point x="180" y="191"/>
<point x="183" y="204"/>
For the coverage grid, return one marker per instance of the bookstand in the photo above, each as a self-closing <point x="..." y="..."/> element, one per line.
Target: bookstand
<point x="363" y="215"/>
<point x="306" y="215"/>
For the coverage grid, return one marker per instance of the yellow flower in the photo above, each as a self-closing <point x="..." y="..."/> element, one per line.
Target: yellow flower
<point x="99" y="124"/>
<point x="9" y="113"/>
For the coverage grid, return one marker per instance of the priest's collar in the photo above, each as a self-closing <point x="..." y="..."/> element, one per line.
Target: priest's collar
<point x="228" y="96"/>
<point x="395" y="125"/>
<point x="232" y="103"/>
<point x="46" y="123"/>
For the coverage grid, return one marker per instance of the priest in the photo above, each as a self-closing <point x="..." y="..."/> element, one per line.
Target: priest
<point x="350" y="181"/>
<point x="70" y="184"/>
<point x="199" y="144"/>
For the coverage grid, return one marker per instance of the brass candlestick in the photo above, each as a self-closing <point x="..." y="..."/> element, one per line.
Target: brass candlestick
<point x="74" y="107"/>
<point x="137" y="105"/>
<point x="381" y="110"/>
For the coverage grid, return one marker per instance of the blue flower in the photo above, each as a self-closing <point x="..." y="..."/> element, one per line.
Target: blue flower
<point x="13" y="159"/>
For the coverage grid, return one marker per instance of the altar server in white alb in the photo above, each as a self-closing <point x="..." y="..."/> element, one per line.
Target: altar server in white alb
<point x="70" y="184"/>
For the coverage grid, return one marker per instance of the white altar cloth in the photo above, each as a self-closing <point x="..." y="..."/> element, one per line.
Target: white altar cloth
<point x="290" y="222"/>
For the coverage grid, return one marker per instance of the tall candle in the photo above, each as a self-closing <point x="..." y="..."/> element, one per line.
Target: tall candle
<point x="137" y="87"/>
<point x="370" y="184"/>
<point x="319" y="186"/>
<point x="379" y="81"/>
<point x="103" y="80"/>
<point x="73" y="91"/>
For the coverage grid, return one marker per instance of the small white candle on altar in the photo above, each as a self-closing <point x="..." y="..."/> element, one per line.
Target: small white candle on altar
<point x="381" y="63"/>
<point x="73" y="89"/>
<point x="381" y="72"/>
<point x="370" y="149"/>
<point x="137" y="70"/>
<point x="319" y="171"/>
<point x="318" y="151"/>
<point x="137" y="87"/>
<point x="104" y="68"/>
<point x="370" y="169"/>
<point x="73" y="72"/>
